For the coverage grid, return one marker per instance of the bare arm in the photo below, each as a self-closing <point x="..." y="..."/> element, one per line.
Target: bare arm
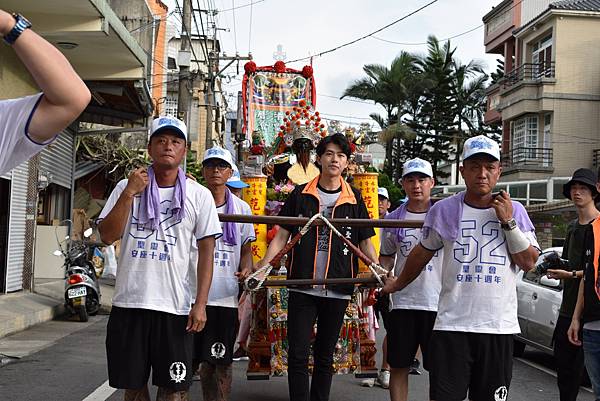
<point x="204" y="273"/>
<point x="65" y="94"/>
<point x="526" y="259"/>
<point x="245" y="262"/>
<point x="504" y="211"/>
<point x="575" y="327"/>
<point x="387" y="262"/>
<point x="112" y="226"/>
<point x="276" y="245"/>
<point x="416" y="261"/>
<point x="368" y="249"/>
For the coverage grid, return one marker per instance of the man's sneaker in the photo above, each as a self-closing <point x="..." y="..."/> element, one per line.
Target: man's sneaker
<point x="240" y="354"/>
<point x="368" y="382"/>
<point x="383" y="378"/>
<point x="414" y="368"/>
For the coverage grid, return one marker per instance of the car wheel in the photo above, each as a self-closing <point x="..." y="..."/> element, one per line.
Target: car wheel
<point x="518" y="348"/>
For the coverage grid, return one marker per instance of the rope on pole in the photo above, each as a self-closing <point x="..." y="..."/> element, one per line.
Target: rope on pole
<point x="253" y="283"/>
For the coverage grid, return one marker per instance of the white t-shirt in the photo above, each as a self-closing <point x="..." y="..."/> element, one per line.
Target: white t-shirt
<point x="224" y="287"/>
<point x="479" y="293"/>
<point x="423" y="293"/>
<point x="15" y="144"/>
<point x="154" y="265"/>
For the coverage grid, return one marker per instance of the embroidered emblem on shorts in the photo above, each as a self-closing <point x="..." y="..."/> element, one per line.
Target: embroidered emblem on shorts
<point x="177" y="372"/>
<point x="217" y="350"/>
<point x="501" y="394"/>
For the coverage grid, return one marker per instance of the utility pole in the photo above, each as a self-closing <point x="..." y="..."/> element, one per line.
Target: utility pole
<point x="184" y="59"/>
<point x="213" y="73"/>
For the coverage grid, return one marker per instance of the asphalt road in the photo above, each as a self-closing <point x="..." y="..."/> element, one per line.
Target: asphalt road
<point x="66" y="362"/>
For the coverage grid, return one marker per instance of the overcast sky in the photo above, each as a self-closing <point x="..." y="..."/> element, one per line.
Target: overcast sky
<point x="308" y="27"/>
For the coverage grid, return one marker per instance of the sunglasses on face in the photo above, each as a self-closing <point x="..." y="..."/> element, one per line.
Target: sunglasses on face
<point x="216" y="164"/>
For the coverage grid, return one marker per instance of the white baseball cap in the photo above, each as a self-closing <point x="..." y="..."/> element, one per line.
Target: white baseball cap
<point x="217" y="152"/>
<point x="417" y="165"/>
<point x="167" y="123"/>
<point x="480" y="144"/>
<point x="235" y="181"/>
<point x="383" y="192"/>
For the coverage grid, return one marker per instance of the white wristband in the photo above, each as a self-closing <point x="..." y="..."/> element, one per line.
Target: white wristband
<point x="516" y="240"/>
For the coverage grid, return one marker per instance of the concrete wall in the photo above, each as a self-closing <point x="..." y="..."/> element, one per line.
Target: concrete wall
<point x="532" y="8"/>
<point x="577" y="54"/>
<point x="159" y="64"/>
<point x="15" y="81"/>
<point x="137" y="17"/>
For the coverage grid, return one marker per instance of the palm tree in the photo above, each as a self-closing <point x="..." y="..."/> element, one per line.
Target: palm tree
<point x="388" y="88"/>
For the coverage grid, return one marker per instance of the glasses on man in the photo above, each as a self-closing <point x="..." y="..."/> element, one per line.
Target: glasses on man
<point x="216" y="164"/>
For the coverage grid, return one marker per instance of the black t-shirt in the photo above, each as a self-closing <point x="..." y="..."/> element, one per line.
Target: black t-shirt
<point x="573" y="251"/>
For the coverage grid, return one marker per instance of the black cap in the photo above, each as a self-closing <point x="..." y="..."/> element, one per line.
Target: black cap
<point x="583" y="176"/>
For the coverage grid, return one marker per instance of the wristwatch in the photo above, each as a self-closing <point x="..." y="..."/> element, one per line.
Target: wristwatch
<point x="509" y="225"/>
<point x="21" y="24"/>
<point x="574" y="273"/>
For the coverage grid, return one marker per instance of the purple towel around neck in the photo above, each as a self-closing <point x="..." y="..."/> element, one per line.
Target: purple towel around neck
<point x="398" y="214"/>
<point x="230" y="232"/>
<point x="445" y="216"/>
<point x="149" y="212"/>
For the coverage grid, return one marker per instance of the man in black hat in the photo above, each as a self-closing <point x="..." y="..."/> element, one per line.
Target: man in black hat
<point x="581" y="190"/>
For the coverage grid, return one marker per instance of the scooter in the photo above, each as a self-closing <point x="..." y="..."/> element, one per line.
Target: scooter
<point x="82" y="289"/>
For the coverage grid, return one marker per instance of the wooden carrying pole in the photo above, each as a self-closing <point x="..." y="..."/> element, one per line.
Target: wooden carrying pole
<point x="300" y="221"/>
<point x="366" y="281"/>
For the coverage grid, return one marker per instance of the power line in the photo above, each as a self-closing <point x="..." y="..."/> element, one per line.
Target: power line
<point x="189" y="32"/>
<point x="242" y="6"/>
<point x="202" y="41"/>
<point x="343" y="116"/>
<point x="153" y="22"/>
<point x="424" y="43"/>
<point x="234" y="27"/>
<point x="365" y="36"/>
<point x="347" y="100"/>
<point x="250" y="27"/>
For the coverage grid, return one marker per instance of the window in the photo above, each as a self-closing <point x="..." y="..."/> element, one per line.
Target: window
<point x="541" y="58"/>
<point x="547" y="138"/>
<point x="171" y="106"/>
<point x="524" y="139"/>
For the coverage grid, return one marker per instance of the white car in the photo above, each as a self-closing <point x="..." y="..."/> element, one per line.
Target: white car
<point x="539" y="299"/>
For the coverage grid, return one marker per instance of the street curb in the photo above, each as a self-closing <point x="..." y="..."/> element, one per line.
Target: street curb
<point x="27" y="310"/>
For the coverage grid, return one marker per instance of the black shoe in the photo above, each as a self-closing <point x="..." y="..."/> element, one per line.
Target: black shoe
<point x="240" y="354"/>
<point x="414" y="368"/>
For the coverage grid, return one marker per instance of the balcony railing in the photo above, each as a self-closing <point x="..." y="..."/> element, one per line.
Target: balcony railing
<point x="529" y="72"/>
<point x="596" y="158"/>
<point x="527" y="157"/>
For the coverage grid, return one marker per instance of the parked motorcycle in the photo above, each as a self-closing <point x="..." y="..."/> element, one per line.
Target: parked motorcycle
<point x="82" y="289"/>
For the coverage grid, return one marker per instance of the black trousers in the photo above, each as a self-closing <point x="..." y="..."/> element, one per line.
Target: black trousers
<point x="303" y="310"/>
<point x="569" y="361"/>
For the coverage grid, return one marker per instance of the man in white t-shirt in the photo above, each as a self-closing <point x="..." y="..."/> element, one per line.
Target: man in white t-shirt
<point x="413" y="311"/>
<point x="160" y="216"/>
<point x="28" y="124"/>
<point x="213" y="346"/>
<point x="486" y="238"/>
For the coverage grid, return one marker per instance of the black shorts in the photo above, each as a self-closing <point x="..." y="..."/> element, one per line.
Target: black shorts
<point x="480" y="364"/>
<point x="215" y="342"/>
<point x="140" y="339"/>
<point x="407" y="330"/>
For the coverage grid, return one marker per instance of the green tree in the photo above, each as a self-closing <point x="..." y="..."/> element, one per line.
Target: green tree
<point x="388" y="88"/>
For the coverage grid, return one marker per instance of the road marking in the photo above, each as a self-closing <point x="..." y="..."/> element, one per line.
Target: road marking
<point x="548" y="371"/>
<point x="101" y="393"/>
